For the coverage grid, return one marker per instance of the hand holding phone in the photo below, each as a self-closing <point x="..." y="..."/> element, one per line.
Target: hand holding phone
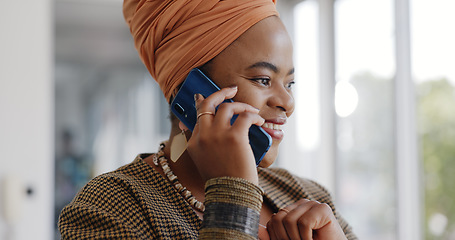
<point x="183" y="107"/>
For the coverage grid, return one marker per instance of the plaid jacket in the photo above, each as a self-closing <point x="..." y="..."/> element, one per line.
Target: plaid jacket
<point x="137" y="202"/>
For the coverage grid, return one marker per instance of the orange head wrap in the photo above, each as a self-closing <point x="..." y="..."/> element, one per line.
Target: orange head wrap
<point x="175" y="36"/>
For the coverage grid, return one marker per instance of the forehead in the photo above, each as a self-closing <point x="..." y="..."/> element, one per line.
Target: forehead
<point x="267" y="40"/>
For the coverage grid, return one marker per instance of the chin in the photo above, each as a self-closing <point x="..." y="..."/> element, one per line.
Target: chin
<point x="269" y="157"/>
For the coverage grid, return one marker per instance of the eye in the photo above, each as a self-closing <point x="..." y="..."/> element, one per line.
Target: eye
<point x="262" y="81"/>
<point x="290" y="84"/>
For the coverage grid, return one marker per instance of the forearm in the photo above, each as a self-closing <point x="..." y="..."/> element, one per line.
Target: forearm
<point x="232" y="210"/>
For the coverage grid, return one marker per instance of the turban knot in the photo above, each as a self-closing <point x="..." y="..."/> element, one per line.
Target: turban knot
<point x="174" y="36"/>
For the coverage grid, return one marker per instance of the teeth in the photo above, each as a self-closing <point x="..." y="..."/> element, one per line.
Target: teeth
<point x="272" y="126"/>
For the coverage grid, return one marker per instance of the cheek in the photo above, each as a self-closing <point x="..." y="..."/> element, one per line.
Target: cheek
<point x="248" y="94"/>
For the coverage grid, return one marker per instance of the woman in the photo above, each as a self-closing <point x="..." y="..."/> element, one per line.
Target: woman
<point x="213" y="190"/>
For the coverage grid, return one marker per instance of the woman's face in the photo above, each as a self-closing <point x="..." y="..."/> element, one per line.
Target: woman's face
<point x="260" y="63"/>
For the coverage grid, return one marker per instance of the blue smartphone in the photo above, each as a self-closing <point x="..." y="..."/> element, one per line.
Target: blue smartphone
<point x="184" y="108"/>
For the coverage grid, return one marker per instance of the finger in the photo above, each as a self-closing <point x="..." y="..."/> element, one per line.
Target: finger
<point x="276" y="228"/>
<point x="289" y="218"/>
<point x="296" y="204"/>
<point x="290" y="221"/>
<point x="206" y="115"/>
<point x="212" y="101"/>
<point x="262" y="233"/>
<point x="318" y="216"/>
<point x="245" y="120"/>
<point x="209" y="104"/>
<point x="270" y="229"/>
<point x="198" y="98"/>
<point x="227" y="110"/>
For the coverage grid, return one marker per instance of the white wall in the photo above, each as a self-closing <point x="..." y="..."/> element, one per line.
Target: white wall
<point x="26" y="118"/>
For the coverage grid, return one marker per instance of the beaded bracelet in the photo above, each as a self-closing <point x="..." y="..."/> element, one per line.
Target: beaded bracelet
<point x="234" y="190"/>
<point x="232" y="210"/>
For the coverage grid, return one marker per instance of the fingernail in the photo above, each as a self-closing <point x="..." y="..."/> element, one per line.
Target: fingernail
<point x="233" y="87"/>
<point x="197" y="96"/>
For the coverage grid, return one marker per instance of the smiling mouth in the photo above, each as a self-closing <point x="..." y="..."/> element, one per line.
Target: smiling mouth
<point x="273" y="126"/>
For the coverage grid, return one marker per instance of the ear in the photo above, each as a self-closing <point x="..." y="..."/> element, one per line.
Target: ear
<point x="182" y="126"/>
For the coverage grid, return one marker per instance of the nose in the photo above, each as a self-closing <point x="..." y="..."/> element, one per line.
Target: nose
<point x="282" y="98"/>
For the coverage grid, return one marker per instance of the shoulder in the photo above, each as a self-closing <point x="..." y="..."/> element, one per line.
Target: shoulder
<point x="109" y="206"/>
<point x="119" y="186"/>
<point x="126" y="177"/>
<point x="299" y="187"/>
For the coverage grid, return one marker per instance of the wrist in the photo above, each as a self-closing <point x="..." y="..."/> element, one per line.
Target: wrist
<point x="234" y="190"/>
<point x="233" y="208"/>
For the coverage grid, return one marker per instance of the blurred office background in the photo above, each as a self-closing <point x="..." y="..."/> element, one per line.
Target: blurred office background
<point x="374" y="122"/>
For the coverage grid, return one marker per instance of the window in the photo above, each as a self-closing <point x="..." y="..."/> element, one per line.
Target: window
<point x="365" y="163"/>
<point x="373" y="157"/>
<point x="433" y="58"/>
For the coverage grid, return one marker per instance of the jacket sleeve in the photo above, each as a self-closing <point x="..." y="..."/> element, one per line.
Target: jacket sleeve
<point x="103" y="211"/>
<point x="107" y="209"/>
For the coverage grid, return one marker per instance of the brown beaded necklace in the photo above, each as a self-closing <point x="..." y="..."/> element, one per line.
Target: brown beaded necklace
<point x="160" y="159"/>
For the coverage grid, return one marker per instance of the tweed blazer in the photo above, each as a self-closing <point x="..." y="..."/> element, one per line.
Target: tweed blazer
<point x="137" y="202"/>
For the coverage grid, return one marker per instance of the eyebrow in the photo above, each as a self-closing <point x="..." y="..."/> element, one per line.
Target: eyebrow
<point x="268" y="66"/>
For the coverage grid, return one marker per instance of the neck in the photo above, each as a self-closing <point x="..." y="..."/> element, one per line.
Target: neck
<point x="184" y="168"/>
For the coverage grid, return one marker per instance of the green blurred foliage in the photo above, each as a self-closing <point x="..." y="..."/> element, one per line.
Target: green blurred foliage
<point x="436" y="113"/>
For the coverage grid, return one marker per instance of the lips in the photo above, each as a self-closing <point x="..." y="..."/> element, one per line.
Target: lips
<point x="274" y="128"/>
